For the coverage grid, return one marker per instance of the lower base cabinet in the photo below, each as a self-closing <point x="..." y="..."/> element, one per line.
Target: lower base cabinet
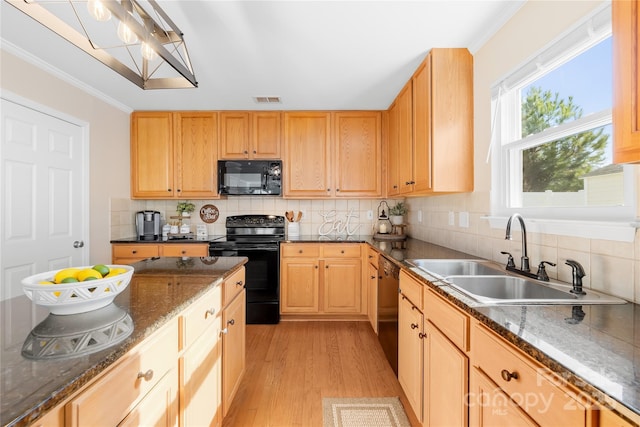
<point x="410" y="353"/>
<point x="233" y="348"/>
<point x="149" y="412"/>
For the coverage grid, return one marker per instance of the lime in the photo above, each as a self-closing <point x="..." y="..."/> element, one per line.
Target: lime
<point x="69" y="280"/>
<point x="102" y="269"/>
<point x="88" y="272"/>
<point x="65" y="273"/>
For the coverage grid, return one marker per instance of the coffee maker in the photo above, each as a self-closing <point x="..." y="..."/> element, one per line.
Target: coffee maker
<point x="148" y="225"/>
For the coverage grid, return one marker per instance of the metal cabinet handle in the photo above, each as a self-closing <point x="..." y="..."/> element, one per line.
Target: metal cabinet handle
<point x="421" y="335"/>
<point x="209" y="312"/>
<point x="414" y="325"/>
<point x="342" y="251"/>
<point x="147" y="376"/>
<point x="326" y="266"/>
<point x="183" y="252"/>
<point x="225" y="331"/>
<point x="134" y="251"/>
<point x="239" y="283"/>
<point x="507" y="376"/>
<point x="316" y="267"/>
<point x="231" y="322"/>
<point x="373" y="277"/>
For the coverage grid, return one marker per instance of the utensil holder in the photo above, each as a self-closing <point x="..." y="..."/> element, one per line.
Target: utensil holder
<point x="293" y="229"/>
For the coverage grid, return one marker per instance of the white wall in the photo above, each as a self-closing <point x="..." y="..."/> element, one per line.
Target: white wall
<point x="613" y="267"/>
<point x="108" y="139"/>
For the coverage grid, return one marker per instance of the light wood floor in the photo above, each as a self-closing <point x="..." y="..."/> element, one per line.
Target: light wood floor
<point x="293" y="365"/>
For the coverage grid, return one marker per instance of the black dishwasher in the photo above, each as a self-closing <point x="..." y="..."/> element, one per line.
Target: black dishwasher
<point x="388" y="284"/>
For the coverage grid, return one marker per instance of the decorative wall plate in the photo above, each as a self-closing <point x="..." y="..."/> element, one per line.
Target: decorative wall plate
<point x="209" y="214"/>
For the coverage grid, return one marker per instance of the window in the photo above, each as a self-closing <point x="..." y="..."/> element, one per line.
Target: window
<point x="552" y="133"/>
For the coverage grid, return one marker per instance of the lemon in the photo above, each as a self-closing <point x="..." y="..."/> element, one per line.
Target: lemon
<point x="87" y="273"/>
<point x="48" y="282"/>
<point x="66" y="273"/>
<point x="102" y="269"/>
<point x="115" y="272"/>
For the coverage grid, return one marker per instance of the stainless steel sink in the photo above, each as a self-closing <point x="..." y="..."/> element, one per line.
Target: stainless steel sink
<point x="456" y="267"/>
<point x="517" y="290"/>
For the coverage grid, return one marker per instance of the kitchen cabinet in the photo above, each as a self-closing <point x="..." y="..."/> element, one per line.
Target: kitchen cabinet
<point x="372" y="284"/>
<point x="201" y="362"/>
<point x="502" y="369"/>
<point x="626" y="86"/>
<point x="128" y="253"/>
<point x="321" y="279"/>
<point x="250" y="135"/>
<point x="431" y="127"/>
<point x="332" y="154"/>
<point x="610" y="419"/>
<point x="400" y="148"/>
<point x="173" y="155"/>
<point x="410" y="352"/>
<point x="357" y="161"/>
<point x="233" y="348"/>
<point x="446" y="364"/>
<point x="149" y="411"/>
<point x="131" y="381"/>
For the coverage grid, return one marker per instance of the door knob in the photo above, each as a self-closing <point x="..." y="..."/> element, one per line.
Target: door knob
<point x="78" y="244"/>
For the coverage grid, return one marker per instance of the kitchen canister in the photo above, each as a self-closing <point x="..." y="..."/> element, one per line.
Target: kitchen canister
<point x="293" y="229"/>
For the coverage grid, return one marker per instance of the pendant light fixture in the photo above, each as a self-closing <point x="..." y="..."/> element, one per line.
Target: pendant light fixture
<point x="135" y="38"/>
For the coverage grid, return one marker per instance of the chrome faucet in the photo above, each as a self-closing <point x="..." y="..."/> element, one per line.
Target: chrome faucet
<point x="524" y="269"/>
<point x="524" y="260"/>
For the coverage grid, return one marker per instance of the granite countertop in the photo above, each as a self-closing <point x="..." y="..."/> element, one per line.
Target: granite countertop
<point x="160" y="239"/>
<point x="32" y="386"/>
<point x="596" y="348"/>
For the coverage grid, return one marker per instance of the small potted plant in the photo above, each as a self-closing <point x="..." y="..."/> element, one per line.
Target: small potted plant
<point x="397" y="213"/>
<point x="185" y="208"/>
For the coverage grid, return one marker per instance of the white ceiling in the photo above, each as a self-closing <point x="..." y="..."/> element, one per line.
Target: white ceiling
<point x="316" y="55"/>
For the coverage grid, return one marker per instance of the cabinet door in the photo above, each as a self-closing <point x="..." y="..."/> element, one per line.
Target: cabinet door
<point x="152" y="162"/>
<point x="201" y="381"/>
<point x="234" y="135"/>
<point x="265" y="135"/>
<point x="490" y="406"/>
<point x="410" y="353"/>
<point x="393" y="170"/>
<point x="357" y="165"/>
<point x="446" y="373"/>
<point x="451" y="120"/>
<point x="307" y="155"/>
<point x="405" y="140"/>
<point x="128" y="254"/>
<point x="299" y="279"/>
<point x="373" y="297"/>
<point x="196" y="155"/>
<point x="342" y="289"/>
<point x="233" y="348"/>
<point x="626" y="86"/>
<point x="187" y="250"/>
<point x="422" y="127"/>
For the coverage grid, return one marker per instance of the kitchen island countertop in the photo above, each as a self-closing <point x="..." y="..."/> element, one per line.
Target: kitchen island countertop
<point x="31" y="387"/>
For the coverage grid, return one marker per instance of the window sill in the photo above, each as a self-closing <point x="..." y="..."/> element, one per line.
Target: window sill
<point x="621" y="231"/>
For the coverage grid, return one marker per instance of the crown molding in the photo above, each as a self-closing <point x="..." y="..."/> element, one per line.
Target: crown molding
<point x="509" y="9"/>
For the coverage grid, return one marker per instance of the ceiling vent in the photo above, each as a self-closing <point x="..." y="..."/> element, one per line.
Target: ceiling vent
<point x="267" y="99"/>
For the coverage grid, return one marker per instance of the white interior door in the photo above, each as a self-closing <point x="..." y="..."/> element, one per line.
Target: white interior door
<point x="43" y="181"/>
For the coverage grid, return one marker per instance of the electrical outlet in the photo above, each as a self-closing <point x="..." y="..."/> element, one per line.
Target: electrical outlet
<point x="463" y="219"/>
<point x="369" y="214"/>
<point x="452" y="218"/>
<point x="419" y="216"/>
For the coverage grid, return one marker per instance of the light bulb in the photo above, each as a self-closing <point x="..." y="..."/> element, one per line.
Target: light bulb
<point x="98" y="10"/>
<point x="148" y="52"/>
<point x="125" y="34"/>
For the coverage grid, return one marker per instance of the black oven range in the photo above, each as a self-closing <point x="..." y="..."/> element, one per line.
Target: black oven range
<point x="258" y="238"/>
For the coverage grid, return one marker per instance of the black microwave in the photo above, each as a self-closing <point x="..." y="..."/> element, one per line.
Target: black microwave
<point x="250" y="177"/>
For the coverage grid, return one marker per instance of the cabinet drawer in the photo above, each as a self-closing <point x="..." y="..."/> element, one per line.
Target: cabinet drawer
<point x="300" y="250"/>
<point x="412" y="289"/>
<point x="372" y="256"/>
<point x="542" y="397"/>
<point x="341" y="251"/>
<point x="135" y="251"/>
<point x="232" y="286"/>
<point x="199" y="316"/>
<point x="185" y="250"/>
<point x="111" y="398"/>
<point x="453" y="323"/>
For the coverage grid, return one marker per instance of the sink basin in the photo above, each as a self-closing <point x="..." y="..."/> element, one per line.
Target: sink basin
<point x="517" y="290"/>
<point x="456" y="267"/>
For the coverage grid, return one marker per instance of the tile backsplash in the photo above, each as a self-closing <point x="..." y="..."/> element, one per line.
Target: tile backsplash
<point x="315" y="213"/>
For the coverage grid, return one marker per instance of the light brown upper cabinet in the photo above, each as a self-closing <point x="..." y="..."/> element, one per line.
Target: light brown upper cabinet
<point x="332" y="154"/>
<point x="173" y="155"/>
<point x="249" y="135"/>
<point x="431" y="150"/>
<point x="626" y="84"/>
